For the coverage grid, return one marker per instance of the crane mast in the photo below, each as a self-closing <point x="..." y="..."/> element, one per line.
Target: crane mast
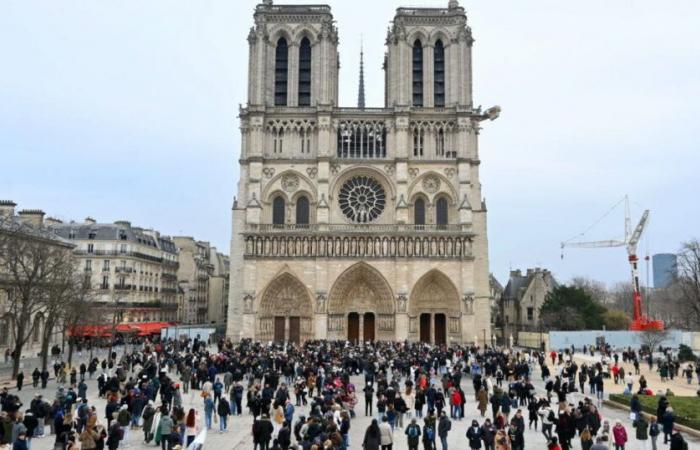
<point x="632" y="237"/>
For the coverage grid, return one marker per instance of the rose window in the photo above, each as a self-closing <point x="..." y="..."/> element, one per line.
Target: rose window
<point x="362" y="199"/>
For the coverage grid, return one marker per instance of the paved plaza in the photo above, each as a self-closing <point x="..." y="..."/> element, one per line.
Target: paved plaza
<point x="239" y="436"/>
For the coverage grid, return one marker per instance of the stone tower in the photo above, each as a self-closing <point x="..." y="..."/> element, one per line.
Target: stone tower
<point x="359" y="223"/>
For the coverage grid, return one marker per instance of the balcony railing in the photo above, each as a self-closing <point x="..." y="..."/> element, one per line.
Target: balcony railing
<point x="367" y="229"/>
<point x="121" y="254"/>
<point x="124" y="270"/>
<point x="122" y="287"/>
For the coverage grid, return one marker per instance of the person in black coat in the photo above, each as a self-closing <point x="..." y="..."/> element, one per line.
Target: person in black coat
<point x="224" y="410"/>
<point x="20" y="380"/>
<point x="284" y="437"/>
<point x="474" y="435"/>
<point x="372" y="439"/>
<point x="262" y="432"/>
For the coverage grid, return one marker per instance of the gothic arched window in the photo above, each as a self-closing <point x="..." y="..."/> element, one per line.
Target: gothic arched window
<point x="278" y="211"/>
<point x="281" y="63"/>
<point x="439" y="74"/>
<point x="441" y="211"/>
<point x="417" y="73"/>
<point x="305" y="73"/>
<point x="302" y="211"/>
<point x="419" y="212"/>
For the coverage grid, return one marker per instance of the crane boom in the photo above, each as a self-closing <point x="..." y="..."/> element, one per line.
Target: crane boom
<point x="631" y="240"/>
<point x="637" y="233"/>
<point x="594" y="244"/>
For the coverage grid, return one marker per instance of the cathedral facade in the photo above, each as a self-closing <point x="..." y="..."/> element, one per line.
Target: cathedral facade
<point x="359" y="223"/>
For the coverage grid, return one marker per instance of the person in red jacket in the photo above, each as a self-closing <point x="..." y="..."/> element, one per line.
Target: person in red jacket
<point x="619" y="436"/>
<point x="456" y="403"/>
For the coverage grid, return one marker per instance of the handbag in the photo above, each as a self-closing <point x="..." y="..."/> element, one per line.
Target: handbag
<point x="633" y="415"/>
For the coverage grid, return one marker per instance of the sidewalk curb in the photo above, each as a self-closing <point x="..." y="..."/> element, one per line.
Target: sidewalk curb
<point x="691" y="431"/>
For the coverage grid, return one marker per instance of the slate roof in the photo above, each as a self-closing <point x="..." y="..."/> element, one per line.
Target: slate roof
<point x="120" y="231"/>
<point x="14" y="224"/>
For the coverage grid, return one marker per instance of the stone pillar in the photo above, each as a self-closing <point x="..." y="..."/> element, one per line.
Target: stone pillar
<point x="428" y="76"/>
<point x="361" y="337"/>
<point x="293" y="75"/>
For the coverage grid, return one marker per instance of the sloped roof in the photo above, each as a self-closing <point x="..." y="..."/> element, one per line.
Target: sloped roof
<point x="15" y="225"/>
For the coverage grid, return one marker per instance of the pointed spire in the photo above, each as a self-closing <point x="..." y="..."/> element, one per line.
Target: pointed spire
<point x="361" y="90"/>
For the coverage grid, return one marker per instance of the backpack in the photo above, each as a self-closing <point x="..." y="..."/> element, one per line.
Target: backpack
<point x="429" y="433"/>
<point x="413" y="431"/>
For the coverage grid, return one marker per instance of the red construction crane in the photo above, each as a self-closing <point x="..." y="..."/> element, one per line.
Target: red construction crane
<point x="639" y="320"/>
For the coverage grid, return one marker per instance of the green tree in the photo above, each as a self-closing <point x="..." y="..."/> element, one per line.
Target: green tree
<point x="571" y="308"/>
<point x="616" y="320"/>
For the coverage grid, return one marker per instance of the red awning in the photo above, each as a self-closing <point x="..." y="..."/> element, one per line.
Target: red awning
<point x="90" y="331"/>
<point x="149" y="328"/>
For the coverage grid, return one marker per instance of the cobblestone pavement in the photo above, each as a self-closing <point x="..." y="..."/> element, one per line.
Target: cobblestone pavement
<point x="678" y="385"/>
<point x="238" y="435"/>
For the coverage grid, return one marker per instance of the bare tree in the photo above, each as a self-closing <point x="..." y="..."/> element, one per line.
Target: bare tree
<point x="653" y="338"/>
<point x="622" y="297"/>
<point x="594" y="288"/>
<point x="73" y="313"/>
<point x="34" y="268"/>
<point x="689" y="279"/>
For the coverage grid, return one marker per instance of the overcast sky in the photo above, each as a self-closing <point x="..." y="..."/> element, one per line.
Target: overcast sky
<point x="127" y="110"/>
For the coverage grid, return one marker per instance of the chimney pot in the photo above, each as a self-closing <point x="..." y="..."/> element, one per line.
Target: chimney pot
<point x="34" y="217"/>
<point x="7" y="208"/>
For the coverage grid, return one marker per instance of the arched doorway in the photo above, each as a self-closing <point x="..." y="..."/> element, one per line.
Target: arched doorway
<point x="434" y="305"/>
<point x="440" y="328"/>
<point x="354" y="327"/>
<point x="286" y="311"/>
<point x="368" y="327"/>
<point x="361" y="306"/>
<point x="425" y="335"/>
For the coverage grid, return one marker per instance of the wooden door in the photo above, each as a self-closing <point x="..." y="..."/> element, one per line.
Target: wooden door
<point x="425" y="327"/>
<point x="353" y="327"/>
<point x="295" y="329"/>
<point x="368" y="327"/>
<point x="279" y="329"/>
<point x="440" y="329"/>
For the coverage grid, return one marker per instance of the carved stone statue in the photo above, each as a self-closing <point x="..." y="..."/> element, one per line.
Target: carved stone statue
<point x="321" y="298"/>
<point x="401" y="300"/>
<point x="468" y="300"/>
<point x="248" y="302"/>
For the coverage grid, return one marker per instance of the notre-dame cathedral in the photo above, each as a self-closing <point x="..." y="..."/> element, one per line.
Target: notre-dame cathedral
<point x="360" y="223"/>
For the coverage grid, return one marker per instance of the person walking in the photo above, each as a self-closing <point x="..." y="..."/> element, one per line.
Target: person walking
<point x="165" y="430"/>
<point x="619" y="436"/>
<point x="488" y="434"/>
<point x="654" y="432"/>
<point x="413" y="433"/>
<point x="474" y="435"/>
<point x="482" y="399"/>
<point x="208" y="410"/>
<point x="20" y="380"/>
<point x="667" y="421"/>
<point x="372" y="439"/>
<point x="641" y="427"/>
<point x="386" y="434"/>
<point x="224" y="410"/>
<point x="262" y="432"/>
<point x="444" y="427"/>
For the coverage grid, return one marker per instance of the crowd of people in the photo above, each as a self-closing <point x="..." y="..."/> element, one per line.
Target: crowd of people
<point x="306" y="397"/>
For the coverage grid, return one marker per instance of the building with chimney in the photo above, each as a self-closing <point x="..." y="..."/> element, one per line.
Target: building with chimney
<point x="23" y="230"/>
<point x="522" y="299"/>
<point x="133" y="270"/>
<point x="360" y="223"/>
